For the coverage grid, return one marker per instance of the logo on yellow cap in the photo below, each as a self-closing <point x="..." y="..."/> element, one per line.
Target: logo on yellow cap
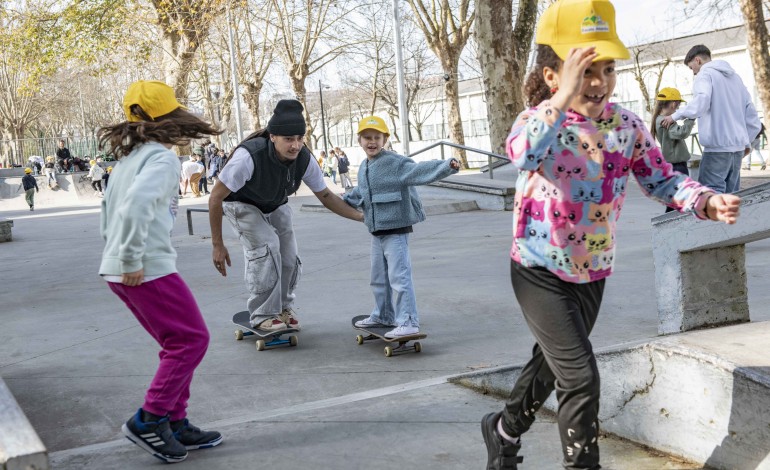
<point x="594" y="24"/>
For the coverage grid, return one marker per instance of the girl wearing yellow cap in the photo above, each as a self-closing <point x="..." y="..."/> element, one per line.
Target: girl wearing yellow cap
<point x="96" y="173"/>
<point x="139" y="261"/>
<point x="672" y="140"/>
<point x="575" y="152"/>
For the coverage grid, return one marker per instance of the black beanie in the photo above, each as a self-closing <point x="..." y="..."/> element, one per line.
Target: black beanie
<point x="287" y="119"/>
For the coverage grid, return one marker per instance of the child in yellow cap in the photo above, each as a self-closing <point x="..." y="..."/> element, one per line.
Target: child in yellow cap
<point x="139" y="261"/>
<point x="30" y="186"/>
<point x="672" y="140"/>
<point x="575" y="152"/>
<point x="96" y="174"/>
<point x="386" y="193"/>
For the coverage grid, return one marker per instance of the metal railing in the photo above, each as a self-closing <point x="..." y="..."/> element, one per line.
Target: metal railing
<point x="444" y="143"/>
<point x="17" y="152"/>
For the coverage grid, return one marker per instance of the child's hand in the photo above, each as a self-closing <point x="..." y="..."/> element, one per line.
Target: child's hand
<point x="132" y="279"/>
<point x="572" y="74"/>
<point x="723" y="207"/>
<point x="454" y="164"/>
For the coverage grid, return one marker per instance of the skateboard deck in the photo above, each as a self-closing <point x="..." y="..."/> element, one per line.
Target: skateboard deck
<point x="267" y="338"/>
<point x="379" y="333"/>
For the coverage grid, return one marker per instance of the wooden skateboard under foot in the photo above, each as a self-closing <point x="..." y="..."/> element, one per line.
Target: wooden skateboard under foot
<point x="379" y="333"/>
<point x="268" y="338"/>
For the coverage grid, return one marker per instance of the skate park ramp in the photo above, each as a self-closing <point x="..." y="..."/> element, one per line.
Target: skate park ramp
<point x="74" y="189"/>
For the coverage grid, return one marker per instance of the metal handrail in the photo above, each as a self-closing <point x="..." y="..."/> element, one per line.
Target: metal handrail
<point x="442" y="143"/>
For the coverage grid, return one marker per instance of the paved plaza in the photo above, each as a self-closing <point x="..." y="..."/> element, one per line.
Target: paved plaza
<point x="79" y="363"/>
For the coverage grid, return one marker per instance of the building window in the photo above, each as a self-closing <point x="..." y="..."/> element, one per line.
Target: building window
<point x="480" y="127"/>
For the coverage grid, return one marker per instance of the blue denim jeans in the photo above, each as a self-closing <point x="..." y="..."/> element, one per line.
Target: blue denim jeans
<point x="721" y="171"/>
<point x="394" y="300"/>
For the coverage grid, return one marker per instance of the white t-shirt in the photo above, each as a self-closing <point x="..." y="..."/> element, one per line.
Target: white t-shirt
<point x="189" y="168"/>
<point x="241" y="167"/>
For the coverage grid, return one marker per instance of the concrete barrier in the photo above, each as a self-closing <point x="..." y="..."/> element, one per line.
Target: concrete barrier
<point x="701" y="395"/>
<point x="74" y="189"/>
<point x="700" y="269"/>
<point x="5" y="230"/>
<point x="20" y="447"/>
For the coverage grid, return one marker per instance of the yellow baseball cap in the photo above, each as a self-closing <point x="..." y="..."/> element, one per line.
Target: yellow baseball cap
<point x="373" y="122"/>
<point x="568" y="24"/>
<point x="155" y="98"/>
<point x="669" y="94"/>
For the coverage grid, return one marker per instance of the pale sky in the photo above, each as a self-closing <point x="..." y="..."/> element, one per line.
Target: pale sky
<point x="641" y="21"/>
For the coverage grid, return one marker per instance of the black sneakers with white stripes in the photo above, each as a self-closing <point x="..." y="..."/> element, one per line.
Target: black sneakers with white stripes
<point x="155" y="437"/>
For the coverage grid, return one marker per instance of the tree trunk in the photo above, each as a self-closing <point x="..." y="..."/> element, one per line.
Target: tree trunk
<point x="251" y="97"/>
<point x="757" y="38"/>
<point x="502" y="52"/>
<point x="455" y="119"/>
<point x="298" y="85"/>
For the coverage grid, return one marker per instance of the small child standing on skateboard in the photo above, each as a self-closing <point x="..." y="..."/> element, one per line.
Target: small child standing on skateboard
<point x="575" y="152"/>
<point x="139" y="262"/>
<point x="390" y="203"/>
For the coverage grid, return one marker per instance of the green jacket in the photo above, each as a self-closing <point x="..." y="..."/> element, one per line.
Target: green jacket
<point x="672" y="140"/>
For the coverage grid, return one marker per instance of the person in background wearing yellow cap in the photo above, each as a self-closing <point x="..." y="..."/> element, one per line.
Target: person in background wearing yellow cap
<point x="672" y="139"/>
<point x="96" y="173"/>
<point x="50" y="171"/>
<point x="386" y="193"/>
<point x="252" y="193"/>
<point x="139" y="261"/>
<point x="575" y="152"/>
<point x="30" y="186"/>
<point x="727" y="119"/>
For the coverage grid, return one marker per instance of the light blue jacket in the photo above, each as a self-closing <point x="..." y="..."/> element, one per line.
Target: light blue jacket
<point x="386" y="192"/>
<point x="138" y="212"/>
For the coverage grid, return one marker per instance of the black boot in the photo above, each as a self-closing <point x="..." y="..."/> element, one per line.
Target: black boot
<point x="501" y="453"/>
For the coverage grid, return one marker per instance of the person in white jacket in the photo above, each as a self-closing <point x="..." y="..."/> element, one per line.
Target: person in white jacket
<point x="727" y="119"/>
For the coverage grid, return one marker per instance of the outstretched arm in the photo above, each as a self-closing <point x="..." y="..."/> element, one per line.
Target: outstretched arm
<point x="219" y="255"/>
<point x="335" y="204"/>
<point x="723" y="208"/>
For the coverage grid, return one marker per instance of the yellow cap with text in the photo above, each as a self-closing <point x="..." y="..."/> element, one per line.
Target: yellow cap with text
<point x="569" y="24"/>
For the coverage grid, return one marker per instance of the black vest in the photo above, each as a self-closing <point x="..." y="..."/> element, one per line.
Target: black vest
<point x="272" y="181"/>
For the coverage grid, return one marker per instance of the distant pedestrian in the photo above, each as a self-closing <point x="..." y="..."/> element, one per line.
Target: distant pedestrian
<point x="190" y="176"/>
<point x="575" y="151"/>
<point x="106" y="178"/>
<point x="64" y="157"/>
<point x="30" y="187"/>
<point x="332" y="163"/>
<point x="344" y="168"/>
<point x="50" y="171"/>
<point x="727" y="119"/>
<point x="139" y="261"/>
<point x="203" y="183"/>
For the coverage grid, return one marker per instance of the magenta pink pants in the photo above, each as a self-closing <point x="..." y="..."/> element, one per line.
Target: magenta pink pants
<point x="167" y="309"/>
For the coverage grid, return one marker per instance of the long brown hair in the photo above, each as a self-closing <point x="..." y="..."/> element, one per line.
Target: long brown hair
<point x="535" y="89"/>
<point x="177" y="128"/>
<point x="659" y="105"/>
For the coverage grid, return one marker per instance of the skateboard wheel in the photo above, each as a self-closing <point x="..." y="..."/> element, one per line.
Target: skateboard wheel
<point x="238" y="335"/>
<point x="260" y="345"/>
<point x="388" y="351"/>
<point x="293" y="340"/>
<point x="360" y="339"/>
<point x="417" y="347"/>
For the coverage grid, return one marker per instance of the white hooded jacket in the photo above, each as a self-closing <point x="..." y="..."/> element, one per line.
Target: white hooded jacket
<point x="727" y="119"/>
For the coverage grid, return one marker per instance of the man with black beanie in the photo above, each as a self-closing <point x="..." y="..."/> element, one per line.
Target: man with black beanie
<point x="252" y="192"/>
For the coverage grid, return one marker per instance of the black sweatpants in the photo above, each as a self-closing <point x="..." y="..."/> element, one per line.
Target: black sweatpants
<point x="560" y="315"/>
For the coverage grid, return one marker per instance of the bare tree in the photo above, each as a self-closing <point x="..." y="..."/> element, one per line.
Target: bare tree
<point x="503" y="50"/>
<point x="447" y="28"/>
<point x="304" y="25"/>
<point x="645" y="68"/>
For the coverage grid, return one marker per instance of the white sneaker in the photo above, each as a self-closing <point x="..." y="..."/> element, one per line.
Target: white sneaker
<point x="271" y="324"/>
<point x="402" y="331"/>
<point x="369" y="323"/>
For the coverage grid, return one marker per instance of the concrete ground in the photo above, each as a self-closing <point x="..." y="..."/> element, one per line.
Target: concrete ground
<point x="78" y="362"/>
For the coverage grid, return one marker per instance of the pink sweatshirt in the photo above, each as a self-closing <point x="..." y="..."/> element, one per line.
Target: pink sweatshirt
<point x="572" y="181"/>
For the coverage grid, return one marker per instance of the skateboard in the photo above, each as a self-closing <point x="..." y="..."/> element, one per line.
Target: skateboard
<point x="267" y="338"/>
<point x="379" y="333"/>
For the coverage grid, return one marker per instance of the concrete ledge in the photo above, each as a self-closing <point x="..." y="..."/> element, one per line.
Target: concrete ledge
<point x="703" y="396"/>
<point x="490" y="198"/>
<point x="5" y="230"/>
<point x="20" y="447"/>
<point x="700" y="269"/>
